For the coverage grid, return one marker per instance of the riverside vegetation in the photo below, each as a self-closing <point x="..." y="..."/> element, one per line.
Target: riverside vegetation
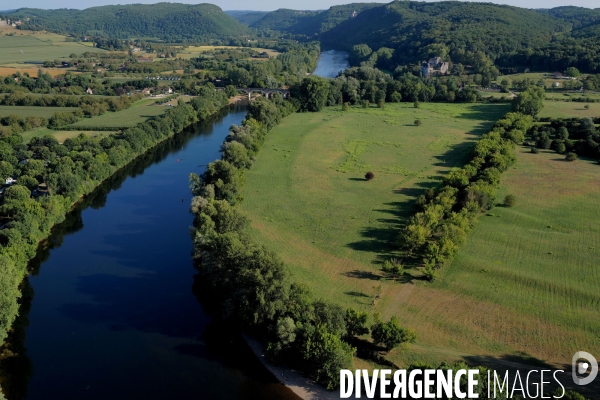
<point x="69" y="170"/>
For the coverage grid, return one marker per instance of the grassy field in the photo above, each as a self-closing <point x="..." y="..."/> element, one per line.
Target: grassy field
<point x="140" y="111"/>
<point x="569" y="95"/>
<point x="308" y="200"/>
<point x="528" y="278"/>
<point x="10" y="69"/>
<point x="60" y="135"/>
<point x="195" y="51"/>
<point x="559" y="109"/>
<point x="525" y="288"/>
<point x="25" y="111"/>
<point x="37" y="46"/>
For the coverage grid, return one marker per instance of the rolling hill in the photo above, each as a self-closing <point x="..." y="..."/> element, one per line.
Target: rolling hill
<point x="166" y="21"/>
<point x="311" y="22"/>
<point x="408" y="26"/>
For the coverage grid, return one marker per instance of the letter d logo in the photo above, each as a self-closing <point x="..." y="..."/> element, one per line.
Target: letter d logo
<point x="580" y="368"/>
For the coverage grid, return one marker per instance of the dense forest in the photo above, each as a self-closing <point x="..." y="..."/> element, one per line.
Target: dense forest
<point x="167" y="21"/>
<point x="310" y="23"/>
<point x="510" y="37"/>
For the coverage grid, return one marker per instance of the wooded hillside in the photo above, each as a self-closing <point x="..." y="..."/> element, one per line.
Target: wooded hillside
<point x="167" y="21"/>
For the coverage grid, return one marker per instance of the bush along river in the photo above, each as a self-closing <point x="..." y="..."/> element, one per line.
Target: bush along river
<point x="109" y="312"/>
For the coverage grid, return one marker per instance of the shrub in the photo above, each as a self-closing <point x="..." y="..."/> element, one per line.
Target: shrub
<point x="369" y="175"/>
<point x="417" y="104"/>
<point x="561" y="148"/>
<point x="393" y="268"/>
<point x="365" y="104"/>
<point x="390" y="334"/>
<point x="430" y="273"/>
<point x="418" y="122"/>
<point x="571" y="156"/>
<point x="587" y="106"/>
<point x="535" y="150"/>
<point x="380" y="103"/>
<point x="509" y="200"/>
<point x="345" y="107"/>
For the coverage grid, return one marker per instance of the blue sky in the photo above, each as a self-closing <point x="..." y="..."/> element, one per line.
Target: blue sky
<point x="270" y="4"/>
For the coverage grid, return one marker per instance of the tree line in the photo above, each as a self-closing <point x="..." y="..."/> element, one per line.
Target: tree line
<point x="358" y="85"/>
<point x="251" y="285"/>
<point x="571" y="135"/>
<point x="445" y="216"/>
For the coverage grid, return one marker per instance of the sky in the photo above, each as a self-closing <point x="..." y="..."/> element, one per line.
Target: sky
<point x="268" y="5"/>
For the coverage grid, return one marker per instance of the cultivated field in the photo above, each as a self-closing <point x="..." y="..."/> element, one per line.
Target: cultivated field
<point x="26" y="111"/>
<point x="140" y="111"/>
<point x="26" y="46"/>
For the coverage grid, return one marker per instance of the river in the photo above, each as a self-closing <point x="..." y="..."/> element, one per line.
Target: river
<point x="109" y="310"/>
<point x="330" y="63"/>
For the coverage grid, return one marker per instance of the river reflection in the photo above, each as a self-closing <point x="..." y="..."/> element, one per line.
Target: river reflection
<point x="108" y="311"/>
<point x="330" y="63"/>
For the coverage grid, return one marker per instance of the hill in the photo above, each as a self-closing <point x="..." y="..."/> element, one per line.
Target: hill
<point x="578" y="16"/>
<point x="409" y="26"/>
<point x="165" y="21"/>
<point x="246" y="17"/>
<point x="311" y="22"/>
<point x="284" y="20"/>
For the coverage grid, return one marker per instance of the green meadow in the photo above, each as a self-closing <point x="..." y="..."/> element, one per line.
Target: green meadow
<point x="308" y="200"/>
<point x="529" y="274"/>
<point x="37" y="47"/>
<point x="561" y="109"/>
<point x="140" y="111"/>
<point x="26" y="111"/>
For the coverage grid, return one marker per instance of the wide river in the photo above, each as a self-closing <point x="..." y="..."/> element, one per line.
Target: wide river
<point x="109" y="311"/>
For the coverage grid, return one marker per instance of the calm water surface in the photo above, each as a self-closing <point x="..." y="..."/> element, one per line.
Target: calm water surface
<point x="331" y="63"/>
<point x="112" y="315"/>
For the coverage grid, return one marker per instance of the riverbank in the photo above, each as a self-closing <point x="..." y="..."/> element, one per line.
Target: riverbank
<point x="303" y="387"/>
<point x="21" y="267"/>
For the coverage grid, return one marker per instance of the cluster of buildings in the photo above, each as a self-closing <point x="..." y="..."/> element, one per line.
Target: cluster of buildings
<point x="434" y="67"/>
<point x="9" y="22"/>
<point x="163" y="78"/>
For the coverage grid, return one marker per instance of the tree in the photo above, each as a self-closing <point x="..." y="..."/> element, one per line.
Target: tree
<point x="312" y="93"/>
<point x="356" y="322"/>
<point x="561" y="148"/>
<point x="230" y="91"/>
<point x="390" y="334"/>
<point x="563" y="133"/>
<point x="505" y="85"/>
<point x="571" y="156"/>
<point x="572" y="72"/>
<point x="369" y="175"/>
<point x="529" y="102"/>
<point x="509" y="200"/>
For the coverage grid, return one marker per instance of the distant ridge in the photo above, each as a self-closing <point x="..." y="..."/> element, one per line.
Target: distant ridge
<point x="246" y="17"/>
<point x="166" y="21"/>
